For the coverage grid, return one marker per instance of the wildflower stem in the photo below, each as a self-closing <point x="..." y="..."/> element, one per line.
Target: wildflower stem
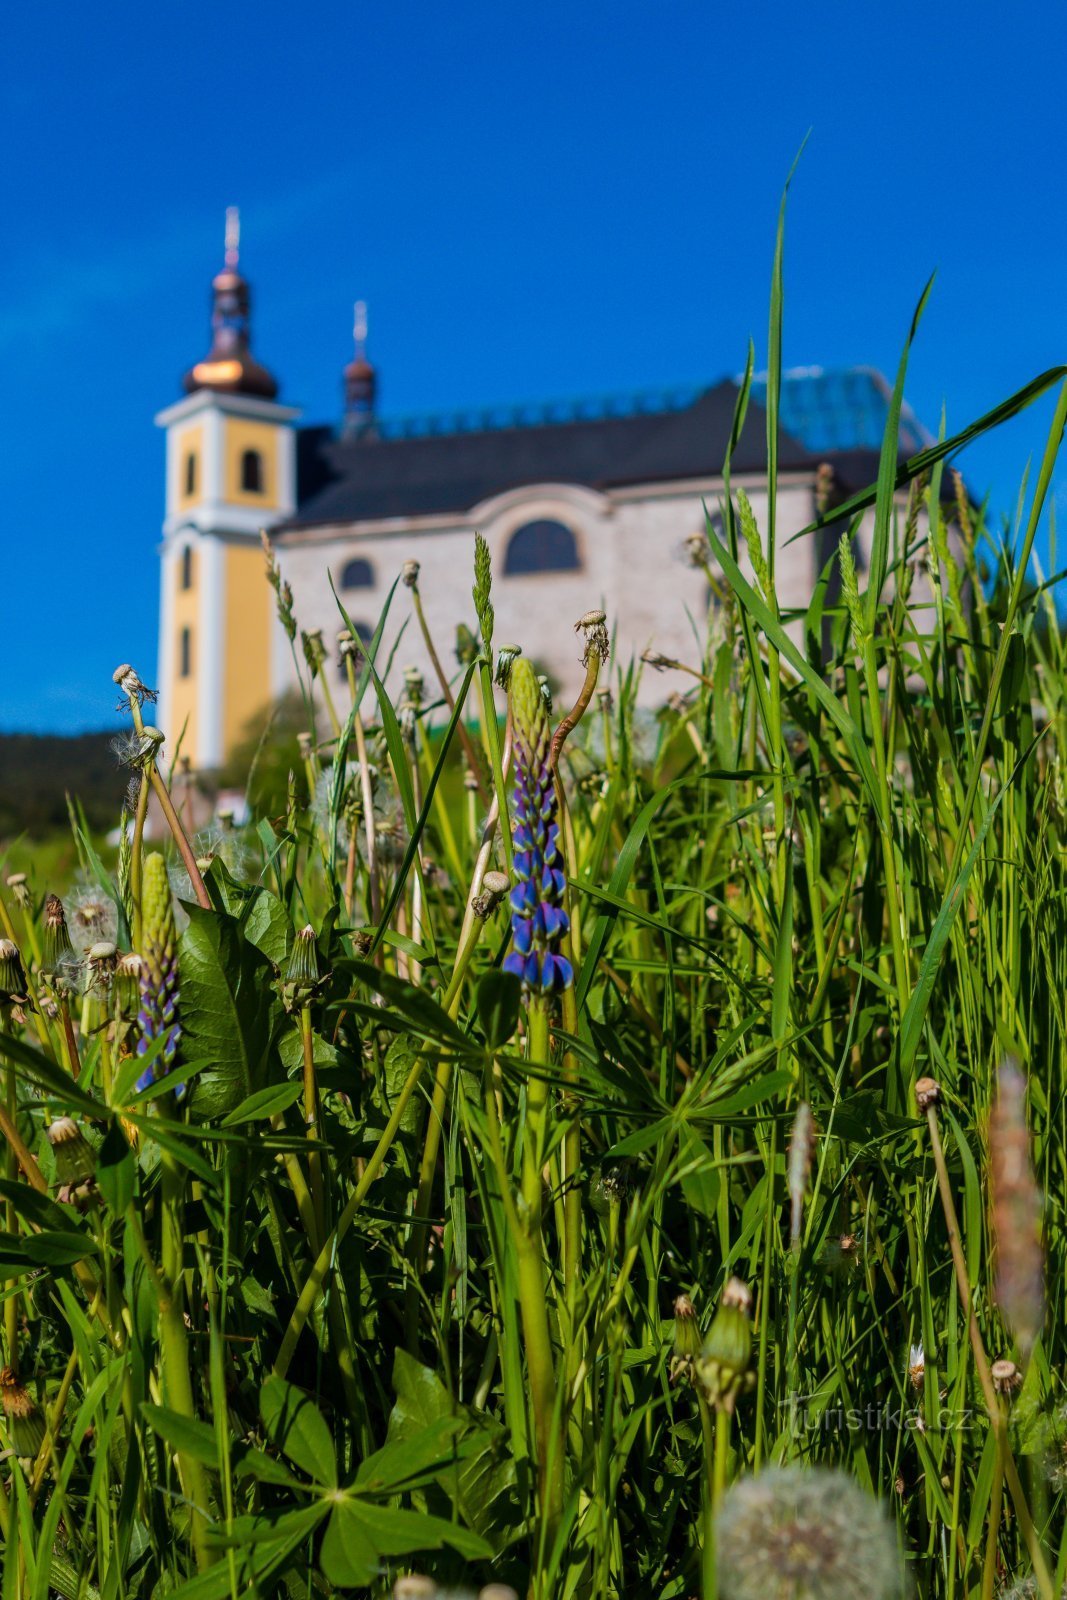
<point x="577" y="711"/>
<point x="137" y="859"/>
<point x="180" y="837"/>
<point x="981" y="1361"/>
<point x="450" y="700"/>
<point x="311" y="1122"/>
<point x="174" y="1347"/>
<point x="309" y="1294"/>
<point x="492" y="739"/>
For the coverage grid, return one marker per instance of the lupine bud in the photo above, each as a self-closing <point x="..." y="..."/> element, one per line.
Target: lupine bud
<point x="538" y="920"/>
<point x="72" y="1152"/>
<point x="24" y="1418"/>
<point x="158" y="1015"/>
<point x="12" y="976"/>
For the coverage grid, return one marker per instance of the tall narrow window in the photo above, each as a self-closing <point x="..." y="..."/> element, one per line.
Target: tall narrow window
<point x="543" y="546"/>
<point x="252" y="472"/>
<point x="190" y="473"/>
<point x="185" y="653"/>
<point x="187" y="567"/>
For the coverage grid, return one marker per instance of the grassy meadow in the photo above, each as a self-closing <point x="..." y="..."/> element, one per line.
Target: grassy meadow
<point x="584" y="1151"/>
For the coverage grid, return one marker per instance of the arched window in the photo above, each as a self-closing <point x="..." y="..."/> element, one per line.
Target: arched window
<point x="543" y="546"/>
<point x="187" y="567"/>
<point x="190" y="473"/>
<point x="252" y="472"/>
<point x="185" y="653"/>
<point x="357" y="574"/>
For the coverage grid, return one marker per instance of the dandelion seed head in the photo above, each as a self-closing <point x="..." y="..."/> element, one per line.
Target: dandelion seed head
<point x="799" y="1533"/>
<point x="91" y="917"/>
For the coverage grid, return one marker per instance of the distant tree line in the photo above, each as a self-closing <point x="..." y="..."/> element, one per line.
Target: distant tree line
<point x="37" y="771"/>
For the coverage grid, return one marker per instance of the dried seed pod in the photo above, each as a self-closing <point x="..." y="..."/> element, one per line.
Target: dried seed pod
<point x="19" y="888"/>
<point x="927" y="1092"/>
<point x="724" y="1359"/>
<point x="686" y="1339"/>
<point x="800" y="1148"/>
<point x="22" y="1414"/>
<point x="495" y="886"/>
<point x="1016" y="1212"/>
<point x="303" y="959"/>
<point x="74" y="1158"/>
<point x="12" y="975"/>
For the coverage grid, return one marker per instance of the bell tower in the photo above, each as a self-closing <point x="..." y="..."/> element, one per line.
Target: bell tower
<point x="230" y="472"/>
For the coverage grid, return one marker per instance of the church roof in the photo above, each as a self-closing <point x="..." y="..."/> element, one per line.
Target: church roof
<point x="444" y="467"/>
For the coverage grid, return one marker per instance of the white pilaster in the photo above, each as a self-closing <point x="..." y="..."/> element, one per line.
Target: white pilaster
<point x="167" y="580"/>
<point x="211" y="651"/>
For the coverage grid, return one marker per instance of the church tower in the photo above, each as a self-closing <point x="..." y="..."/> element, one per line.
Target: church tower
<point x="231" y="471"/>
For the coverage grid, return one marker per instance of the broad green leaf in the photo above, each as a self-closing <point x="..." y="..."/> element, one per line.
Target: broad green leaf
<point x="497" y="998"/>
<point x="227" y="1005"/>
<point x="348" y="1556"/>
<point x="116" y="1169"/>
<point x="263" y="1103"/>
<point x="295" y="1424"/>
<point x="400" y="1533"/>
<point x="183" y="1434"/>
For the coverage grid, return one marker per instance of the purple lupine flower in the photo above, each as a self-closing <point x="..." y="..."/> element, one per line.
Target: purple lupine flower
<point x="538" y="920"/>
<point x="158" y="1014"/>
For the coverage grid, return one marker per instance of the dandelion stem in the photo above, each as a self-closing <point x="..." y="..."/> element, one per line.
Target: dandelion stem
<point x="180" y="837"/>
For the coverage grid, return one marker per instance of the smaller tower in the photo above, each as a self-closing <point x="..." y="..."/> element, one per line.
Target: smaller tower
<point x="360" y="383"/>
<point x="231" y="471"/>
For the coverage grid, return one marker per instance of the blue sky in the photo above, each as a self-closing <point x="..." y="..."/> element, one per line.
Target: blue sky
<point x="537" y="202"/>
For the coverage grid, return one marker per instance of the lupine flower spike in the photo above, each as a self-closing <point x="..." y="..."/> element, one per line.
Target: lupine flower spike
<point x="158" y="1016"/>
<point x="538" y="921"/>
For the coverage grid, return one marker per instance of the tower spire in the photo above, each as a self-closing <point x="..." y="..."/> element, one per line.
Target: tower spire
<point x="233" y="237"/>
<point x="360" y="381"/>
<point x="229" y="365"/>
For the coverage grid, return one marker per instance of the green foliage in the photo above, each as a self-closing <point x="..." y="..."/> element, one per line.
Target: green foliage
<point x="418" y="1276"/>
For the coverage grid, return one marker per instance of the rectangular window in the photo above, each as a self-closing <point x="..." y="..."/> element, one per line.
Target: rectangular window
<point x="185" y="653"/>
<point x="187" y="567"/>
<point x="190" y="474"/>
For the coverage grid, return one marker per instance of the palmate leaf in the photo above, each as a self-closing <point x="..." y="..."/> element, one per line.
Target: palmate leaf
<point x="296" y="1425"/>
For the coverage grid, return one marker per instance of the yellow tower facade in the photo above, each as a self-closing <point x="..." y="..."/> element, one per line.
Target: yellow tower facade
<point x="230" y="473"/>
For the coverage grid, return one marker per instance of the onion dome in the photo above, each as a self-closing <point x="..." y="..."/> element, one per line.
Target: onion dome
<point x="229" y="366"/>
<point x="360" y="382"/>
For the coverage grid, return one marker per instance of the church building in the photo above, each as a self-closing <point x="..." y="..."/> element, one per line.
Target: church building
<point x="583" y="505"/>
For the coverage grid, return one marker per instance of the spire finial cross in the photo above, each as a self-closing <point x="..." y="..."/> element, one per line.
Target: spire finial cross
<point x="233" y="235"/>
<point x="359" y="326"/>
